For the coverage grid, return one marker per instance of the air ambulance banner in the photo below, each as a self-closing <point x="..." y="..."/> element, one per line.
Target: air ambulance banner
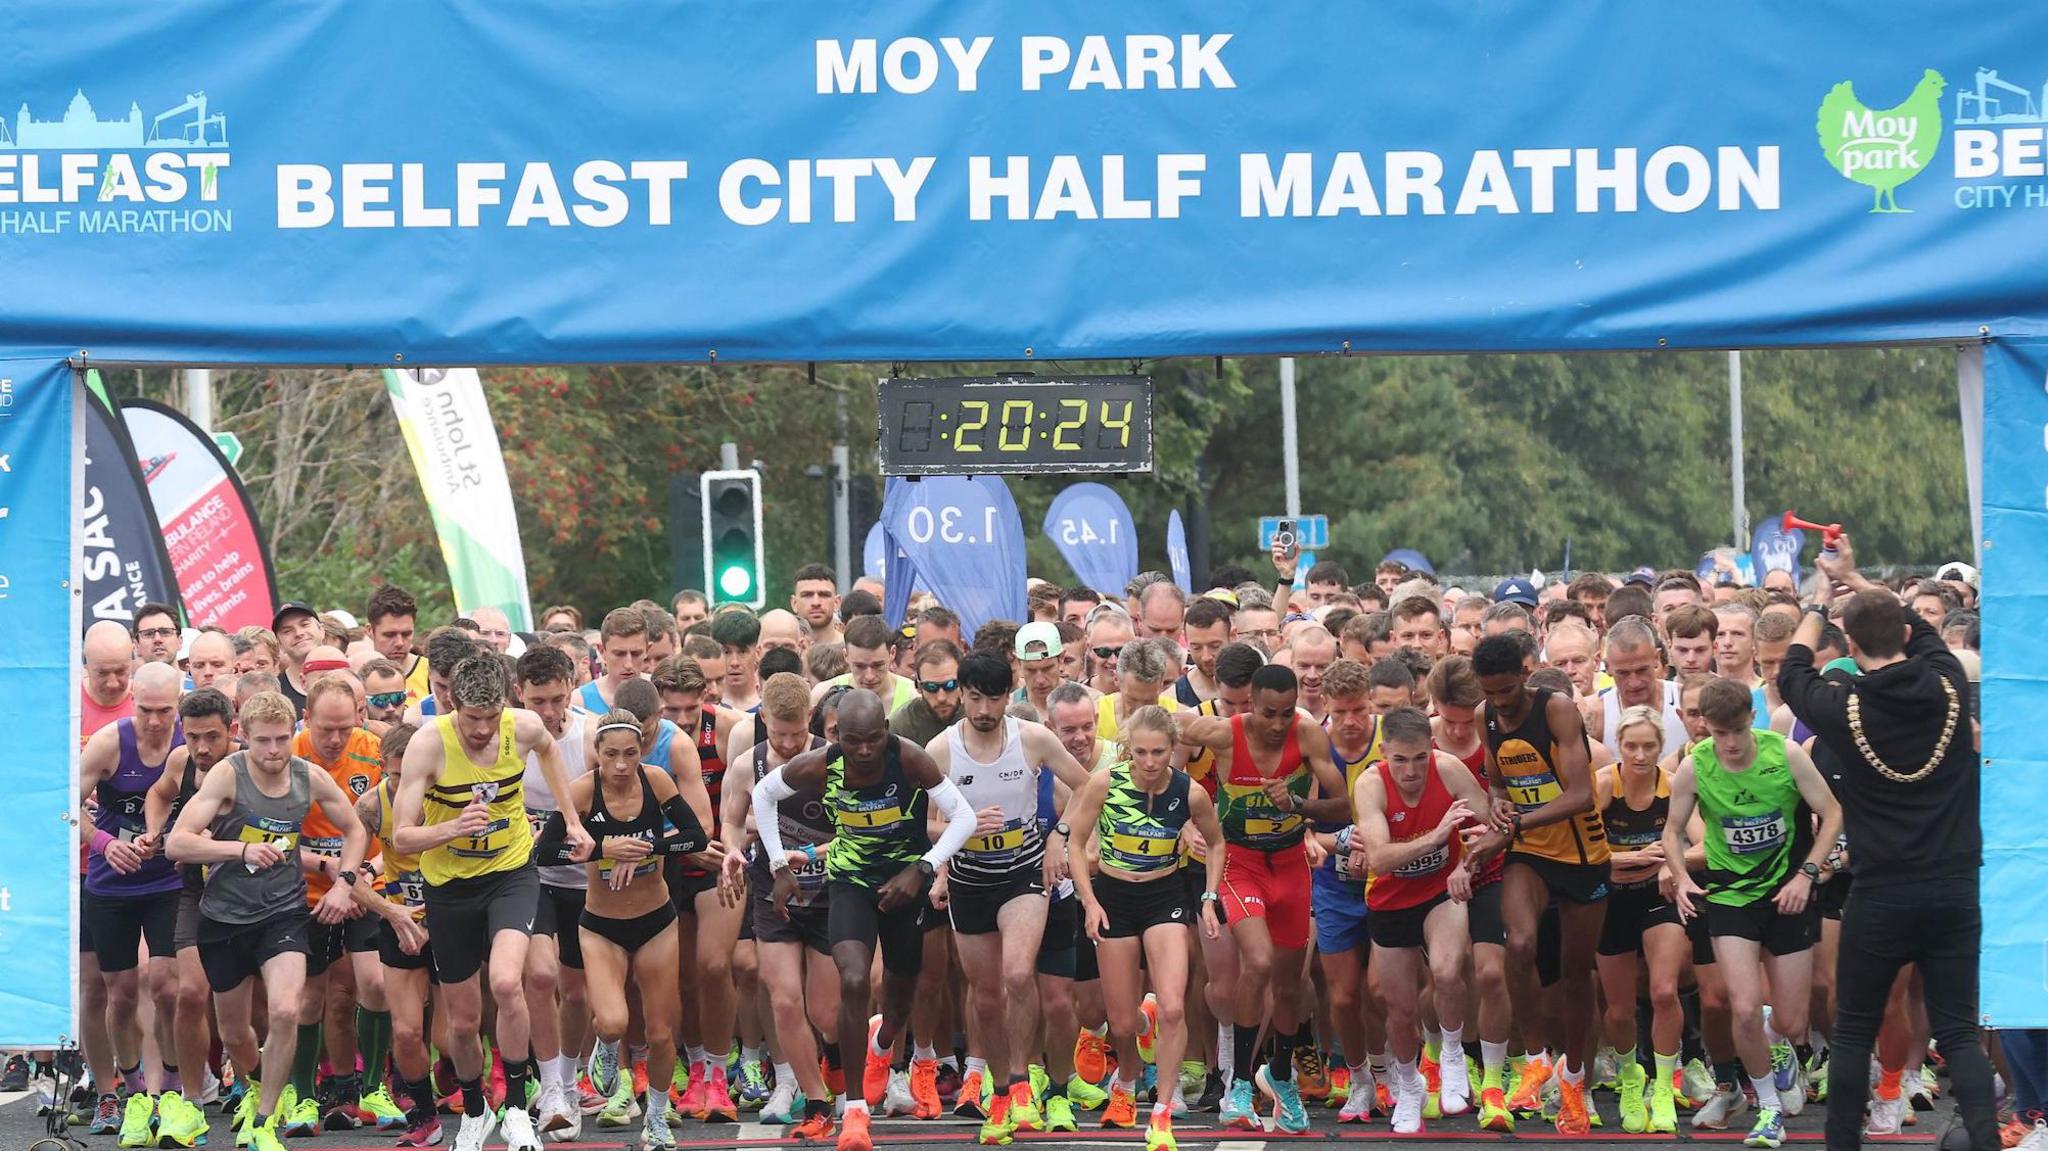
<point x="977" y="180"/>
<point x="216" y="544"/>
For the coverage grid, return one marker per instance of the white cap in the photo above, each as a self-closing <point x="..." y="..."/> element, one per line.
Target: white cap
<point x="1036" y="641"/>
<point x="343" y="618"/>
<point x="1957" y="570"/>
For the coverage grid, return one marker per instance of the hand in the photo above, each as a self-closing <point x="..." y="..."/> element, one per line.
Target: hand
<point x="1212" y="928"/>
<point x="1456" y="815"/>
<point x="1503" y="815"/>
<point x="1360" y="862"/>
<point x="941" y="894"/>
<point x="626" y="848"/>
<point x="1681" y="889"/>
<point x="1096" y="921"/>
<point x="333" y="906"/>
<point x="1277" y="791"/>
<point x="1459" y="885"/>
<point x="733" y="872"/>
<point x="581" y="846"/>
<point x="147" y="844"/>
<point x="411" y="936"/>
<point x="1312" y="845"/>
<point x="906" y="885"/>
<point x="1792" y="898"/>
<point x="988" y="820"/>
<point x="1481" y="840"/>
<point x="1286" y="560"/>
<point x="785" y="890"/>
<point x="473" y="821"/>
<point x="124" y="856"/>
<point x="262" y="854"/>
<point x="1055" y="861"/>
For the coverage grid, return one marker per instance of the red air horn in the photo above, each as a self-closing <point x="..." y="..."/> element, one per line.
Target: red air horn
<point x="1829" y="533"/>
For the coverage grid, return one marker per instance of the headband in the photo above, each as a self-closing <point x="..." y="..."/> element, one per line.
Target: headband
<point x="632" y="727"/>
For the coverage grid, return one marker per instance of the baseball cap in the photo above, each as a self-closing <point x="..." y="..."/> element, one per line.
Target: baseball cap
<point x="1517" y="590"/>
<point x="291" y="608"/>
<point x="1957" y="570"/>
<point x="1641" y="577"/>
<point x="343" y="618"/>
<point x="1036" y="641"/>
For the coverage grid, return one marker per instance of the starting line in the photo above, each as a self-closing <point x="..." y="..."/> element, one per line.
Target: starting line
<point x="923" y="1134"/>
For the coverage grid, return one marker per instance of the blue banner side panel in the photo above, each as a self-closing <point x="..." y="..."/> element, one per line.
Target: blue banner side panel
<point x="554" y="182"/>
<point x="39" y="869"/>
<point x="2015" y="616"/>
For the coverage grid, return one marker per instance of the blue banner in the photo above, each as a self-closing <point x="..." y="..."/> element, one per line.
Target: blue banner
<point x="38" y="620"/>
<point x="1177" y="552"/>
<point x="874" y="556"/>
<point x="1773" y="548"/>
<point x="1065" y="179"/>
<point x="967" y="542"/>
<point x="2015" y="616"/>
<point x="1091" y="527"/>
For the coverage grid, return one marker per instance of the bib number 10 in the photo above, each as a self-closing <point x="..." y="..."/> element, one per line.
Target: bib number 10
<point x="944" y="524"/>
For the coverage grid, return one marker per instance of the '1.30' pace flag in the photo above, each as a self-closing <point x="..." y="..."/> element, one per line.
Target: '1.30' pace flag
<point x="447" y="424"/>
<point x="966" y="542"/>
<point x="123" y="560"/>
<point x="216" y="545"/>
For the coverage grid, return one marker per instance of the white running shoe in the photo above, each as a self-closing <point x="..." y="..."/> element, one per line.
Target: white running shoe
<point x="209" y="1092"/>
<point x="474" y="1130"/>
<point x="781" y="1106"/>
<point x="1408" y="1100"/>
<point x="1792" y="1100"/>
<point x="1358" y="1105"/>
<point x="517" y="1128"/>
<point x="898" y="1100"/>
<point x="1716" y="1113"/>
<point x="1886" y="1116"/>
<point x="573" y="1132"/>
<point x="655" y="1134"/>
<point x="1454" y="1087"/>
<point x="553" y="1109"/>
<point x="1697" y="1082"/>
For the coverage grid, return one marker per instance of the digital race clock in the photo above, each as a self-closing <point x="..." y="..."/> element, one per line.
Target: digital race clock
<point x="986" y="425"/>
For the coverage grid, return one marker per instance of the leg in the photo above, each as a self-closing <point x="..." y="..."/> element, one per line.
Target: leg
<point x="1398" y="971"/>
<point x="1579" y="935"/>
<point x="462" y="1004"/>
<point x="237" y="1033"/>
<point x="718" y="933"/>
<point x="1618" y="987"/>
<point x="1865" y="968"/>
<point x="124" y="989"/>
<point x="1666" y="948"/>
<point x="981" y="962"/>
<point x="194" y="1012"/>
<point x="654" y="972"/>
<point x="853" y="957"/>
<point x="1791" y="984"/>
<point x="284" y="979"/>
<point x="1741" y="964"/>
<point x="1166" y="958"/>
<point x="508" y="992"/>
<point x="406" y="992"/>
<point x="781" y="967"/>
<point x="1523" y="897"/>
<point x="1122" y="991"/>
<point x="543" y="984"/>
<point x="604" y="970"/>
<point x="1949" y="946"/>
<point x="162" y="977"/>
<point x="1344" y="983"/>
<point x="1020" y="928"/>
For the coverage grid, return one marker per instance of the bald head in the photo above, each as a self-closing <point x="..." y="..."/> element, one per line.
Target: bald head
<point x="156" y="681"/>
<point x="109" y="653"/>
<point x="108" y="640"/>
<point x="783" y="629"/>
<point x="211" y="657"/>
<point x="326" y="654"/>
<point x="861" y="711"/>
<point x="494" y="626"/>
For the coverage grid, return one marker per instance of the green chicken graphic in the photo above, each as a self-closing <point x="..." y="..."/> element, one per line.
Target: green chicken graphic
<point x="1882" y="149"/>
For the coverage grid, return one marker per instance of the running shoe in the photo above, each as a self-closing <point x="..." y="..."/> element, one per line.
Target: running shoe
<point x="1432" y="1082"/>
<point x="853" y="1131"/>
<point x="1085" y="1095"/>
<point x="1571" y="1109"/>
<point x="244" y="1121"/>
<point x="15" y="1077"/>
<point x="1635" y="1111"/>
<point x="1024" y="1114"/>
<point x="996" y="1130"/>
<point x="1091" y="1056"/>
<point x="1783" y="1060"/>
<point x="1606" y="1069"/>
<point x="1192" y="1074"/>
<point x="382" y="1112"/>
<point x="1122" y="1110"/>
<point x="1454" y="1086"/>
<point x="1493" y="1111"/>
<point x="896" y="1098"/>
<point x="1211" y="1096"/>
<point x="621" y="1109"/>
<point x="1888" y="1111"/>
<point x="138" y="1120"/>
<point x="874" y="1080"/>
<point x="1792" y="1100"/>
<point x="588" y="1101"/>
<point x="1289" y="1115"/>
<point x="1159" y="1134"/>
<point x="1148" y="1032"/>
<point x="948" y="1083"/>
<point x="1237" y="1107"/>
<point x="924" y="1088"/>
<point x="655" y="1134"/>
<point x="1663" y="1116"/>
<point x="1059" y="1114"/>
<point x="1922" y="1089"/>
<point x="301" y="1119"/>
<point x="1527" y="1098"/>
<point x="1340" y="1084"/>
<point x="473" y="1130"/>
<point x="1768" y="1131"/>
<point x="718" y="1105"/>
<point x="815" y="1128"/>
<point x="179" y="1123"/>
<point x="782" y="1107"/>
<point x="425" y="1133"/>
<point x="516" y="1126"/>
<point x="1817" y="1076"/>
<point x="696" y="1085"/>
<point x="753" y="1085"/>
<point x="1408" y="1100"/>
<point x="338" y="1107"/>
<point x="1694" y="1085"/>
<point x="1357" y="1108"/>
<point x="106" y="1116"/>
<point x="265" y="1138"/>
<point x="1715" y="1114"/>
<point x="967" y="1103"/>
<point x="1311" y="1074"/>
<point x="604" y="1069"/>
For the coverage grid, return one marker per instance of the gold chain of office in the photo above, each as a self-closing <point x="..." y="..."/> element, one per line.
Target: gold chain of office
<point x="1948" y="732"/>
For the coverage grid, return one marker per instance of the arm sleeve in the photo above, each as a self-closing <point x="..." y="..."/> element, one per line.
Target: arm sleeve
<point x="769" y="791"/>
<point x="688" y="837"/>
<point x="552" y="850"/>
<point x="959" y="821"/>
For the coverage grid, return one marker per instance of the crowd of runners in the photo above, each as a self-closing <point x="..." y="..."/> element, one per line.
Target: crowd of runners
<point x="1566" y="856"/>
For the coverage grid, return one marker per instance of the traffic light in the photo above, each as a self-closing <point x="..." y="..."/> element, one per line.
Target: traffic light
<point x="732" y="537"/>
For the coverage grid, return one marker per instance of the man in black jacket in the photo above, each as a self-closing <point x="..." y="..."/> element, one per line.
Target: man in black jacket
<point x="1908" y="781"/>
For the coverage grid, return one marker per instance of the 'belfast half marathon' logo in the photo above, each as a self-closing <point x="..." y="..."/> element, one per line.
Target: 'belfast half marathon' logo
<point x="81" y="172"/>
<point x="1882" y="148"/>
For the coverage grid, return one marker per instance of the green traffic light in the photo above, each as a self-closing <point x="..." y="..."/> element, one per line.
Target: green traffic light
<point x="735" y="581"/>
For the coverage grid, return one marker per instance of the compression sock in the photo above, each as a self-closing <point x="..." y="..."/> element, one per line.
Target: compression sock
<point x="373" y="1034"/>
<point x="172" y="1082"/>
<point x="472" y="1096"/>
<point x="515" y="1081"/>
<point x="1280" y="1066"/>
<point x="306" y="1060"/>
<point x="131" y="1079"/>
<point x="1226" y="1051"/>
<point x="1244" y="1046"/>
<point x="1690" y="1045"/>
<point x="421" y="1092"/>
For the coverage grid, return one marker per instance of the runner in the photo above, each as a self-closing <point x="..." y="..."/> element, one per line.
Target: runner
<point x="212" y="659"/>
<point x="384" y="692"/>
<point x="868" y="658"/>
<point x="629" y="920"/>
<point x="1310" y="652"/>
<point x="403" y="949"/>
<point x="1690" y="631"/>
<point x="689" y="608"/>
<point x="156" y="632"/>
<point x="206" y="719"/>
<point x="1038" y="651"/>
<point x="466" y="820"/>
<point x="1635" y="661"/>
<point x="1642" y="926"/>
<point x="1338" y="893"/>
<point x="1109" y="631"/>
<point x="1411" y="807"/>
<point x="622" y="641"/>
<point x="244" y="824"/>
<point x="794" y="952"/>
<point x="995" y="886"/>
<point x="1542" y="796"/>
<point x="877" y="869"/>
<point x="392" y="615"/>
<point x="739" y="636"/>
<point x="1207" y="628"/>
<point x="937" y="704"/>
<point x="1275" y="774"/>
<point x="298" y="632"/>
<point x="1763" y="861"/>
<point x="1143" y="666"/>
<point x="814" y="596"/>
<point x="130" y="891"/>
<point x="1135" y="909"/>
<point x="1161" y="611"/>
<point x="1070" y="713"/>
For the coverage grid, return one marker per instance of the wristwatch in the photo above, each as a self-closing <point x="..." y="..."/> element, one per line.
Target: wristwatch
<point x="348" y="877"/>
<point x="1062" y="830"/>
<point x="925" y="868"/>
<point x="1211" y="897"/>
<point x="1810" y="870"/>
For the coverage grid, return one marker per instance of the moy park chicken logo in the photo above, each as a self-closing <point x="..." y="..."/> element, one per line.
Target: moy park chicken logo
<point x="1882" y="148"/>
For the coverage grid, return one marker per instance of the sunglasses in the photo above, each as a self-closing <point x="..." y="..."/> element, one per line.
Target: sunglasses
<point x="934" y="686"/>
<point x="387" y="699"/>
<point x="1108" y="652"/>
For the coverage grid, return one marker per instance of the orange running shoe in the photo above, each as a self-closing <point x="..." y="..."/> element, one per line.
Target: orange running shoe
<point x="1340" y="1082"/>
<point x="835" y="1078"/>
<point x="1122" y="1110"/>
<point x="639" y="1078"/>
<point x="853" y="1131"/>
<point x="924" y="1088"/>
<point x="1382" y="1094"/>
<point x="718" y="1104"/>
<point x="1571" y="1109"/>
<point x="1528" y="1097"/>
<point x="967" y="1102"/>
<point x="874" y="1080"/>
<point x="1091" y="1056"/>
<point x="815" y="1128"/>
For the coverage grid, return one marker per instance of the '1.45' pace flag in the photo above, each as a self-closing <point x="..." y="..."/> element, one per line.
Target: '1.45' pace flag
<point x="447" y="424"/>
<point x="217" y="547"/>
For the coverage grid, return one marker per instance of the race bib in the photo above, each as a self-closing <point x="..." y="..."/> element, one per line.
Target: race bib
<point x="537" y="821"/>
<point x="1529" y="792"/>
<point x="1754" y="834"/>
<point x="1426" y="864"/>
<point x="1343" y="868"/>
